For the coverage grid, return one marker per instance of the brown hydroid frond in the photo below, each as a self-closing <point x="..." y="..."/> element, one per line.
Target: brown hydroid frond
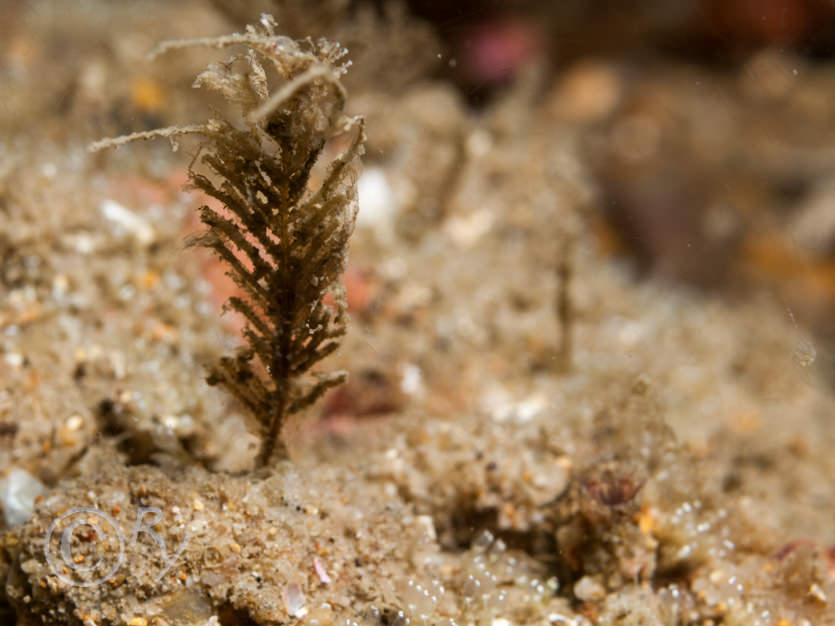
<point x="283" y="242"/>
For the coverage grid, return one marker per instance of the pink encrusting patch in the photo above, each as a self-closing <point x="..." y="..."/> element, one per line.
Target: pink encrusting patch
<point x="496" y="50"/>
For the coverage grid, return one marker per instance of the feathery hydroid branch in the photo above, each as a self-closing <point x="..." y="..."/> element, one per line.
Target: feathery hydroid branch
<point x="284" y="243"/>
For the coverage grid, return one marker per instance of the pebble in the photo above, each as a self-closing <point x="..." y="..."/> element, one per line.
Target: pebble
<point x="587" y="589"/>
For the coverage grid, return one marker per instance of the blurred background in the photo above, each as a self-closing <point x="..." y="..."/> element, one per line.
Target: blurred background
<point x="707" y="123"/>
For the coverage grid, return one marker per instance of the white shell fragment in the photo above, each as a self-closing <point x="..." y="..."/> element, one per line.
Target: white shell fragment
<point x="294" y="600"/>
<point x="18" y="491"/>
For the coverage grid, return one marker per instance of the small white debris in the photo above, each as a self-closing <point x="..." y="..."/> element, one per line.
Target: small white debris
<point x="118" y="364"/>
<point x="411" y="381"/>
<point x="465" y="230"/>
<point x="74" y="422"/>
<point x="18" y="491"/>
<point x="376" y="199"/>
<point x="60" y="284"/>
<point x="15" y="359"/>
<point x="498" y="403"/>
<point x="587" y="589"/>
<point x="479" y="143"/>
<point x="320" y="572"/>
<point x="530" y="407"/>
<point x="631" y="332"/>
<point x="503" y="407"/>
<point x="128" y="220"/>
<point x="377" y="204"/>
<point x="817" y="593"/>
<point x="428" y="525"/>
<point x="68" y="433"/>
<point x="82" y="243"/>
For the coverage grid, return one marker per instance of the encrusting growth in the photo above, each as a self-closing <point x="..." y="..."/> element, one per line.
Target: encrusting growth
<point x="284" y="241"/>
